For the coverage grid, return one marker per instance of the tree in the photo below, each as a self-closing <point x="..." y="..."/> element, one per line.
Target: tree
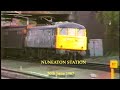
<point x="111" y="21"/>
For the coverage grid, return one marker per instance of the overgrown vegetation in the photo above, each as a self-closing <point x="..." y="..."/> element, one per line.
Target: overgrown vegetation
<point x="111" y="21"/>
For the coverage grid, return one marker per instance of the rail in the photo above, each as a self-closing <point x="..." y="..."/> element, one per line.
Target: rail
<point x="12" y="74"/>
<point x="93" y="66"/>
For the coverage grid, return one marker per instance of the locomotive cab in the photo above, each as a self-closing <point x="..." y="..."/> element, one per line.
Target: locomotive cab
<point x="71" y="36"/>
<point x="71" y="39"/>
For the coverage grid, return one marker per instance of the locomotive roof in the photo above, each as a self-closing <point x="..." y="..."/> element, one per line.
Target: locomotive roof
<point x="60" y="25"/>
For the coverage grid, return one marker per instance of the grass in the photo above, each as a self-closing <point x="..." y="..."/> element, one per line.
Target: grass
<point x="113" y="53"/>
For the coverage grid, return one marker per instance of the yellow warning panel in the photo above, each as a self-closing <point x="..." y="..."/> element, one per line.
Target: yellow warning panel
<point x="113" y="64"/>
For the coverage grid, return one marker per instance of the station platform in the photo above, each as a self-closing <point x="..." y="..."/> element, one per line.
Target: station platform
<point x="44" y="70"/>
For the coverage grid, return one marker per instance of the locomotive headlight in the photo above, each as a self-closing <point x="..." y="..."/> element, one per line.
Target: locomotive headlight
<point x="61" y="46"/>
<point x="82" y="47"/>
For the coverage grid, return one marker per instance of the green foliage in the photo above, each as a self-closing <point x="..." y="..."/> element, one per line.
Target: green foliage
<point x="111" y="21"/>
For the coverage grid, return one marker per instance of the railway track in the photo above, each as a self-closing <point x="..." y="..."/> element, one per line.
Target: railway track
<point x="93" y="66"/>
<point x="12" y="74"/>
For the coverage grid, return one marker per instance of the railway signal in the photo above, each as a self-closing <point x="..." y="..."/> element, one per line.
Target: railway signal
<point x="113" y="65"/>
